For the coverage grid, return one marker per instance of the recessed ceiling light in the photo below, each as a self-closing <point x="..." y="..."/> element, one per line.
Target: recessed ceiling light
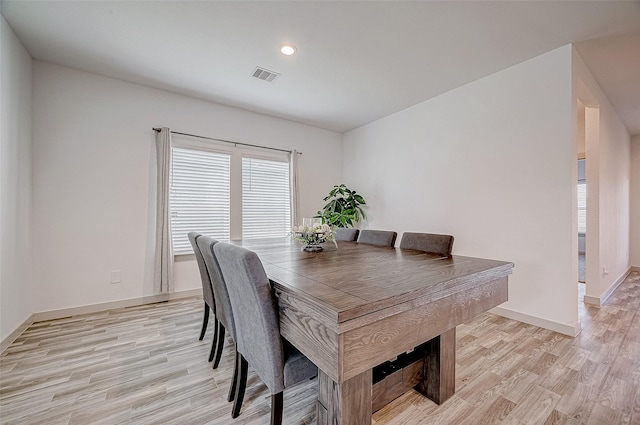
<point x="288" y="49"/>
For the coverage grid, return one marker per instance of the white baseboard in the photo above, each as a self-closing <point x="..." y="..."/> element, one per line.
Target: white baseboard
<point x="94" y="308"/>
<point x="592" y="300"/>
<point x="15" y="334"/>
<point x="635" y="268"/>
<point x="562" y="328"/>
<point x="598" y="301"/>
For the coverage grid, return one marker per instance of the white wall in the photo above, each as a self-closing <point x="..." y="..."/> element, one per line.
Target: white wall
<point x="16" y="301"/>
<point x="608" y="184"/>
<point x="635" y="202"/>
<point x="493" y="163"/>
<point x="580" y="135"/>
<point x="94" y="176"/>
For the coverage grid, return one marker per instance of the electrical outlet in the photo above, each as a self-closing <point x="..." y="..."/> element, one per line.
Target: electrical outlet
<point x="605" y="271"/>
<point x="115" y="276"/>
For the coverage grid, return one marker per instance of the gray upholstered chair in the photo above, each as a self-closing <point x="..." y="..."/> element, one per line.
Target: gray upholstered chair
<point x="377" y="237"/>
<point x="221" y="296"/>
<point x="428" y="242"/>
<point x="345" y="234"/>
<point x="259" y="343"/>
<point x="207" y="292"/>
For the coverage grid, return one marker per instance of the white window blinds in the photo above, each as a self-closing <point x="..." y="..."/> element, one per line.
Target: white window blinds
<point x="266" y="201"/>
<point x="582" y="196"/>
<point x="200" y="196"/>
<point x="582" y="207"/>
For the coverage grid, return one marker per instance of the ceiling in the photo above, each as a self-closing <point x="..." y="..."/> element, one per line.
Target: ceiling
<point x="356" y="61"/>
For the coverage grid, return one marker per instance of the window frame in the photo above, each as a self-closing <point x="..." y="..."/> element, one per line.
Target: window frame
<point x="236" y="154"/>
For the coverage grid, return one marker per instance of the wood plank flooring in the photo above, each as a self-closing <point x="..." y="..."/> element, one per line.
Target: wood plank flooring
<point x="145" y="365"/>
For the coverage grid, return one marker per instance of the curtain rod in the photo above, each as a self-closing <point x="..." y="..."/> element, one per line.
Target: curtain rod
<point x="225" y="141"/>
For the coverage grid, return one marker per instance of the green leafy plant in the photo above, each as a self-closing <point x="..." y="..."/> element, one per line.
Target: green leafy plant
<point x="342" y="208"/>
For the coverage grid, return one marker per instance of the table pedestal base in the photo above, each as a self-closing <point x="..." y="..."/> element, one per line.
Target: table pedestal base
<point x="348" y="403"/>
<point x="439" y="382"/>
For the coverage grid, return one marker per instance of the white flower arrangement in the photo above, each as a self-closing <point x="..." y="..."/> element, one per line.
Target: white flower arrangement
<point x="313" y="233"/>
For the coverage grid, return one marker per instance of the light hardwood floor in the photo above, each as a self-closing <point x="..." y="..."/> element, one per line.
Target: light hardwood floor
<point x="145" y="365"/>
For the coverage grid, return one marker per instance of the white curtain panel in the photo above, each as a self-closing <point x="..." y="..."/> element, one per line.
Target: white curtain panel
<point x="163" y="269"/>
<point x="293" y="182"/>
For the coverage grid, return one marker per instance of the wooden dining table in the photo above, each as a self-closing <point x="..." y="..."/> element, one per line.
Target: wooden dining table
<point x="377" y="321"/>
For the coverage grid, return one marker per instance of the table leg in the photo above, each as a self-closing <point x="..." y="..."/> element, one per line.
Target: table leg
<point x="439" y="382"/>
<point x="348" y="403"/>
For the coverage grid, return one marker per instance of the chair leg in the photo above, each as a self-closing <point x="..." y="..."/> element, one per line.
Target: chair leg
<point x="214" y="343"/>
<point x="276" y="409"/>
<point x="240" y="386"/>
<point x="205" y="321"/>
<point x="219" y="345"/>
<point x="234" y="382"/>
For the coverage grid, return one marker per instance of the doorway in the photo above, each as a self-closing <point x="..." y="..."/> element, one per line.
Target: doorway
<point x="582" y="228"/>
<point x="588" y="229"/>
<point x="582" y="206"/>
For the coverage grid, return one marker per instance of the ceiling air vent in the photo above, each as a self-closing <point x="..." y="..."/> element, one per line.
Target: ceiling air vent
<point x="265" y="74"/>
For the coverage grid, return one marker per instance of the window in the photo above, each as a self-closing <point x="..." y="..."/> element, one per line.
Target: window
<point x="210" y="194"/>
<point x="582" y="197"/>
<point x="582" y="207"/>
<point x="266" y="203"/>
<point x="200" y="196"/>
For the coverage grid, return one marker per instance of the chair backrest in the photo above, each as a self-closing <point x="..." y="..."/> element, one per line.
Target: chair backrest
<point x="224" y="312"/>
<point x="255" y="313"/>
<point x="428" y="242"/>
<point x="207" y="291"/>
<point x="345" y="234"/>
<point x="377" y="237"/>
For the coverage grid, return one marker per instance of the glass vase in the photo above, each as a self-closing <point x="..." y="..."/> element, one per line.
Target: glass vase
<point x="312" y="247"/>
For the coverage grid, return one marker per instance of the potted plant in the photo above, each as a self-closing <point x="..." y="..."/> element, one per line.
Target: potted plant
<point x="343" y="208"/>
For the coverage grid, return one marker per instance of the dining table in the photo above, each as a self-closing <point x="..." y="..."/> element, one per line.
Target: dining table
<point x="377" y="321"/>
